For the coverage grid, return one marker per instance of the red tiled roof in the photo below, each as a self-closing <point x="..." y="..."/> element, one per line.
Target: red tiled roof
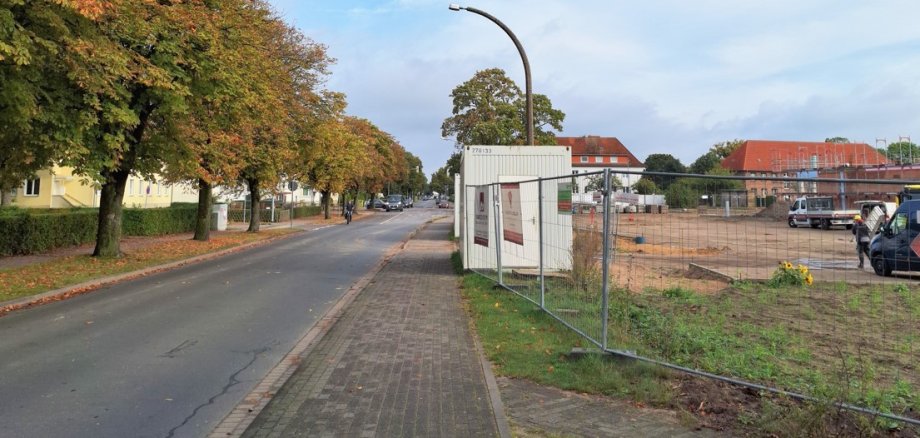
<point x="603" y="146"/>
<point x="778" y="156"/>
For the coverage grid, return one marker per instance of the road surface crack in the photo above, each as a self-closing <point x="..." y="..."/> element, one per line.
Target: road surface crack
<point x="231" y="382"/>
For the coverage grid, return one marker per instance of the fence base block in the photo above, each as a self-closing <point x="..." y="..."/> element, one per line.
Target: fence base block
<point x="709" y="273"/>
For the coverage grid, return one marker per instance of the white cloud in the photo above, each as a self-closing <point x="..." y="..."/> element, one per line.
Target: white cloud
<point x="668" y="76"/>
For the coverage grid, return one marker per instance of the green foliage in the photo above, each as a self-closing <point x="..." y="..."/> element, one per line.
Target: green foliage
<point x="901" y="152"/>
<point x="705" y="163"/>
<point x="489" y="109"/>
<point x="456" y="262"/>
<point x="663" y="163"/>
<point x="596" y="183"/>
<point x="725" y="148"/>
<point x="441" y="182"/>
<point x="32" y="232"/>
<point x="27" y="233"/>
<point x="788" y="275"/>
<point x="522" y="341"/>
<point x="646" y="186"/>
<point x="682" y="195"/>
<point x="159" y="221"/>
<point x="307" y="210"/>
<point x="678" y="292"/>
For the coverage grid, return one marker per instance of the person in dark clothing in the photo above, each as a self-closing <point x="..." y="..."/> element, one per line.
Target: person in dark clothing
<point x="861" y="236"/>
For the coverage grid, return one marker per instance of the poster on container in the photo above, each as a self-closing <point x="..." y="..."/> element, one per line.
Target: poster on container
<point x="513" y="229"/>
<point x="481" y="224"/>
<point x="564" y="198"/>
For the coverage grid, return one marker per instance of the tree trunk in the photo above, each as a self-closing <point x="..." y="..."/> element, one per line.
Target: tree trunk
<point x="325" y="201"/>
<point x="254" y="205"/>
<point x="108" y="233"/>
<point x="203" y="218"/>
<point x="5" y="199"/>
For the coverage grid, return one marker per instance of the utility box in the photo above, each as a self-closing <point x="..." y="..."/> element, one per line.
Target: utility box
<point x="219" y="217"/>
<point x="518" y="167"/>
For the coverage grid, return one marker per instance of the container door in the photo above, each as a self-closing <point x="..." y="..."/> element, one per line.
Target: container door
<point x="525" y="254"/>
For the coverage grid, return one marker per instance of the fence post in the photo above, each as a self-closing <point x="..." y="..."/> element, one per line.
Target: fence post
<point x="605" y="260"/>
<point x="496" y="193"/>
<point x="540" y="241"/>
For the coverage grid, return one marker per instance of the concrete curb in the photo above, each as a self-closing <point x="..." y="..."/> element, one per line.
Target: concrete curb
<point x="495" y="396"/>
<point x="239" y="419"/>
<point x="91" y="285"/>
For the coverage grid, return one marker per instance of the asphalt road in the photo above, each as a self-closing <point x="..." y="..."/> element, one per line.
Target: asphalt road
<point x="171" y="354"/>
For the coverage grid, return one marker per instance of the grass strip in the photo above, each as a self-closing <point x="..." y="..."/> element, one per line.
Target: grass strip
<point x="31" y="280"/>
<point x="521" y="341"/>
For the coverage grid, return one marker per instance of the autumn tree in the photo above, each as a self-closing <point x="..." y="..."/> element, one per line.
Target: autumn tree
<point x="290" y="69"/>
<point x="42" y="113"/>
<point x="331" y="153"/>
<point x="226" y="86"/>
<point x="378" y="165"/>
<point x="490" y="109"/>
<point x="133" y="71"/>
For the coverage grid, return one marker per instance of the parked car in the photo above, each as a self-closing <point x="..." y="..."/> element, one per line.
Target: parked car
<point x="374" y="203"/>
<point x="893" y="248"/>
<point x="394" y="202"/>
<point x="443" y="204"/>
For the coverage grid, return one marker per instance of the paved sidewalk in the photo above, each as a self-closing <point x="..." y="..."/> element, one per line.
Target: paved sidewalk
<point x="400" y="361"/>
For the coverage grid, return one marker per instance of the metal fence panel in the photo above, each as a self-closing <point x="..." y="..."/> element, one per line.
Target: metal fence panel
<point x="720" y="277"/>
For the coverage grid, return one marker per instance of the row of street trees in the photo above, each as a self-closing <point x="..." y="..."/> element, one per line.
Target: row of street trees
<point x="214" y="92"/>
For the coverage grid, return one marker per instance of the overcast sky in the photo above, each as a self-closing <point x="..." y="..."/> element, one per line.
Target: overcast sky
<point x="663" y="76"/>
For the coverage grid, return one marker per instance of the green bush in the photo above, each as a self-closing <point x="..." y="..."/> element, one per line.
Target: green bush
<point x="179" y="218"/>
<point x="28" y="233"/>
<point x="307" y="210"/>
<point x="25" y="231"/>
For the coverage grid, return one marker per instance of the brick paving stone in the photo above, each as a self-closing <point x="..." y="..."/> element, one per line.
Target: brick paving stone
<point x="399" y="362"/>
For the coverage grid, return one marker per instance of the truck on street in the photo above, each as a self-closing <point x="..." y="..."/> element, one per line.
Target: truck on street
<point x="818" y="211"/>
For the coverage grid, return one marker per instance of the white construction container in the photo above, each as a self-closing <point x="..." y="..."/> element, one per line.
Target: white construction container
<point x="507" y="164"/>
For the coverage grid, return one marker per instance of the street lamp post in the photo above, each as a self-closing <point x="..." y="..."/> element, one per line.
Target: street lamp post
<point x="527" y="83"/>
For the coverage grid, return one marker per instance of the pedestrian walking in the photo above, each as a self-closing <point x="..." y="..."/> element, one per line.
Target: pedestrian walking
<point x="861" y="236"/>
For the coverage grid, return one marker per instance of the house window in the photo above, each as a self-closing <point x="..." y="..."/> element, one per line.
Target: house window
<point x="32" y="187"/>
<point x="130" y="186"/>
<point x="584" y="159"/>
<point x="598" y="159"/>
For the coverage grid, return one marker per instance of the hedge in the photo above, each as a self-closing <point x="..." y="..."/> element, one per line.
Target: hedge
<point x="307" y="210"/>
<point x="178" y="218"/>
<point x="25" y="232"/>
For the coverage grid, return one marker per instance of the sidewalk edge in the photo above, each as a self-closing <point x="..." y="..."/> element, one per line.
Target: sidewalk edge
<point x="495" y="398"/>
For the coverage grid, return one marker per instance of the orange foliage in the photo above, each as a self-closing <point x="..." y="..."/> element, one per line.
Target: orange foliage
<point x="88" y="8"/>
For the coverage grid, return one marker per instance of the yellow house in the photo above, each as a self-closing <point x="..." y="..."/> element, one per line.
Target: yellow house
<point x="60" y="188"/>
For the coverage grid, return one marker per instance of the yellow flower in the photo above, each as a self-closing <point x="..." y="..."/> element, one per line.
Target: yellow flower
<point x="809" y="280"/>
<point x="803" y="269"/>
<point x="787" y="265"/>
